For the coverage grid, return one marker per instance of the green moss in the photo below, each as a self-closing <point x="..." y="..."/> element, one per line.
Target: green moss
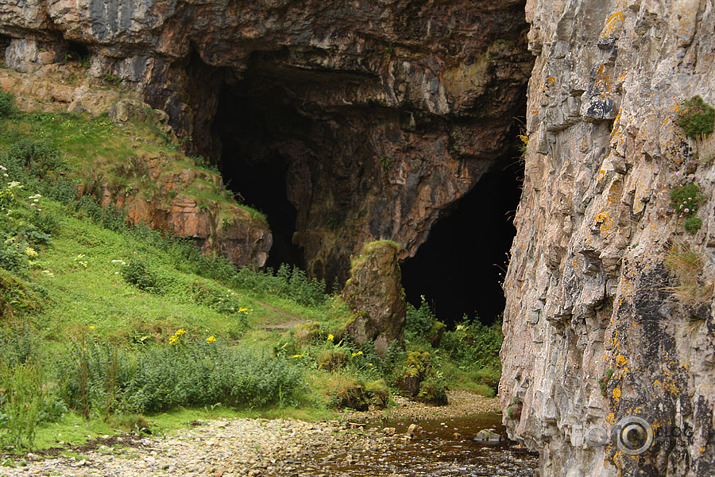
<point x="696" y="117"/>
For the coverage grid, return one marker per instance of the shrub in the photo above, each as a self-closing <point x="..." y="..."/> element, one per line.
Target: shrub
<point x="39" y="158"/>
<point x="6" y="104"/>
<point x="696" y="117"/>
<point x="200" y="374"/>
<point x="99" y="379"/>
<point x="108" y="217"/>
<point x="136" y="273"/>
<point x="24" y="404"/>
<point x="18" y="345"/>
<point x="473" y="344"/>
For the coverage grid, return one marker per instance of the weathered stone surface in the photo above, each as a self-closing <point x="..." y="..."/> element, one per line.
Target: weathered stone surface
<point x="374" y="292"/>
<point x="593" y="333"/>
<point x="399" y="106"/>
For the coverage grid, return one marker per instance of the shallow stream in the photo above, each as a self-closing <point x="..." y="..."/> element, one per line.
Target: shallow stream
<point x="436" y="452"/>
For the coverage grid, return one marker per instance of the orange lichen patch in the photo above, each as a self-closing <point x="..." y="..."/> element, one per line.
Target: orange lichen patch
<point x="602" y="79"/>
<point x="621" y="360"/>
<point x="616" y="394"/>
<point x="612" y="24"/>
<point x="611" y="418"/>
<point x="668" y="382"/>
<point x="605" y="222"/>
<point x="616" y="191"/>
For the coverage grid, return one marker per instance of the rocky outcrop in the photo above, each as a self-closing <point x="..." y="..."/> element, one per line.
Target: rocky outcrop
<point x="374" y="292"/>
<point x="609" y="315"/>
<point x="384" y="113"/>
<point x="186" y="200"/>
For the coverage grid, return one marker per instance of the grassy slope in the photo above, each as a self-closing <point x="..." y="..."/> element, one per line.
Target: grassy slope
<point x="86" y="298"/>
<point x="84" y="295"/>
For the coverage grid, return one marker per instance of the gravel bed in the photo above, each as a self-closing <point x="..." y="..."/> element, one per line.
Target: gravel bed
<point x="261" y="447"/>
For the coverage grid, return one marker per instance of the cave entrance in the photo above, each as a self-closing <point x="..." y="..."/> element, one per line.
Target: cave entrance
<point x="252" y="121"/>
<point x="4" y="44"/>
<point x="461" y="266"/>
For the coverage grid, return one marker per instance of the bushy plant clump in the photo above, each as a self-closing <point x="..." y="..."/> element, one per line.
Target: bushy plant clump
<point x="287" y="282"/>
<point x="137" y="273"/>
<point x="6" y="104"/>
<point x="686" y="200"/>
<point x="422" y="325"/>
<point x="101" y="379"/>
<point x="696" y="117"/>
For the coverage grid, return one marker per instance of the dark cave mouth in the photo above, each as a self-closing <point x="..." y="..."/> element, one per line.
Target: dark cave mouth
<point x="251" y="161"/>
<point x="459" y="269"/>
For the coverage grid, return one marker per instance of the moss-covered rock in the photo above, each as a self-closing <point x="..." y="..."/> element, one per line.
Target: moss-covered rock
<point x="374" y="292"/>
<point x="331" y="360"/>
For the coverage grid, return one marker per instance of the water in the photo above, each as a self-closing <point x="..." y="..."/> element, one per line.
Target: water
<point x="437" y="452"/>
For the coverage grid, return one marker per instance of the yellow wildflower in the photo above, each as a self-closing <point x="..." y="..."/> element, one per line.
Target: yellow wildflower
<point x="298" y="355"/>
<point x="331" y="337"/>
<point x="91" y="327"/>
<point x="211" y="339"/>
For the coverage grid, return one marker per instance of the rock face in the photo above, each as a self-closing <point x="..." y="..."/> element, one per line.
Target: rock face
<point x="609" y="309"/>
<point x="383" y="113"/>
<point x="374" y="292"/>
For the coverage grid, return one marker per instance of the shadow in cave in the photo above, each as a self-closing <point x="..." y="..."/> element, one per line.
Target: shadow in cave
<point x="460" y="268"/>
<point x="250" y="122"/>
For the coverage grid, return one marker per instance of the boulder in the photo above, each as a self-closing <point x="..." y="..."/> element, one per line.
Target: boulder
<point x="374" y="292"/>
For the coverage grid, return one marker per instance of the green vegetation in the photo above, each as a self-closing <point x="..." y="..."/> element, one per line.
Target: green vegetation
<point x="603" y="381"/>
<point x="386" y="163"/>
<point x="6" y="108"/>
<point x="106" y="328"/>
<point x="468" y="354"/>
<point x="693" y="224"/>
<point x="696" y="117"/>
<point x="686" y="200"/>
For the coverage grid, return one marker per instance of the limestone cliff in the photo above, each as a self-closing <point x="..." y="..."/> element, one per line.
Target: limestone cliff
<point x="384" y="113"/>
<point x="609" y="309"/>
